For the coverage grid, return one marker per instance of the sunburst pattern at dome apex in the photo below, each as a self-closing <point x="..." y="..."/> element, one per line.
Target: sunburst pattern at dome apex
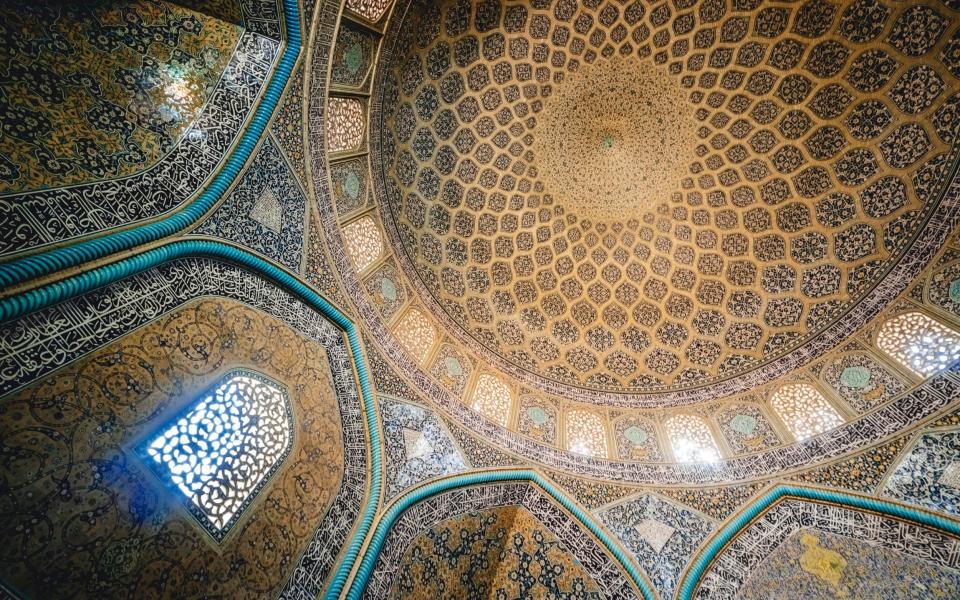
<point x="613" y="139"/>
<point x="820" y="137"/>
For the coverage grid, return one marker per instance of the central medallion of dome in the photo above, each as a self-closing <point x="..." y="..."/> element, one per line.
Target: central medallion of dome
<point x="614" y="138"/>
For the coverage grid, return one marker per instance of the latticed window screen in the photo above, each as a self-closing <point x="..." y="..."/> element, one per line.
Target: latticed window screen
<point x="371" y="9"/>
<point x="345" y="125"/>
<point x="585" y="433"/>
<point x="416" y="334"/>
<point x="363" y="241"/>
<point x="492" y="399"/>
<point x="223" y="449"/>
<point x="804" y="410"/>
<point x="919" y="342"/>
<point x="690" y="439"/>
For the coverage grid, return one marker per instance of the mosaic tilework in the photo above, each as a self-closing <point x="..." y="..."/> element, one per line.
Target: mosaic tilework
<point x="944" y="286"/>
<point x="919" y="478"/>
<point x="538" y="418"/>
<point x="951" y="419"/>
<point x="385" y="378"/>
<point x="862" y="381"/>
<point x="572" y="539"/>
<point x="589" y="492"/>
<point x="317" y="269"/>
<point x="386" y="289"/>
<point x="745" y="557"/>
<point x="78" y="327"/>
<point x="862" y="472"/>
<point x="353" y="55"/>
<point x="746" y="428"/>
<point x="225" y="10"/>
<point x="417" y="446"/>
<point x="452" y="368"/>
<point x="131" y="386"/>
<point x="56" y="215"/>
<point x="661" y="536"/>
<point x="756" y="230"/>
<point x="479" y="453"/>
<point x="637" y="439"/>
<point x="350" y="185"/>
<point x="495" y="553"/>
<point x="717" y="502"/>
<point x="817" y="565"/>
<point x="265" y="211"/>
<point x="83" y="117"/>
<point x="844" y="439"/>
<point x="287" y="126"/>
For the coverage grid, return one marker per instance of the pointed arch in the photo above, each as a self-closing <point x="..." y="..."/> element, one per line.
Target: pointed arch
<point x="596" y="549"/>
<point x="706" y="568"/>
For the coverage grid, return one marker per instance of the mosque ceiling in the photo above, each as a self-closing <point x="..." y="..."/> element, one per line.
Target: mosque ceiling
<point x="631" y="198"/>
<point x="486" y="298"/>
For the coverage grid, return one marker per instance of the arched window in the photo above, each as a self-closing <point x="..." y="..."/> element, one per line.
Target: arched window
<point x="918" y="342"/>
<point x="804" y="410"/>
<point x="585" y="433"/>
<point x="370" y="9"/>
<point x="222" y="449"/>
<point x="691" y="439"/>
<point x="492" y="399"/>
<point x="363" y="241"/>
<point x="344" y="124"/>
<point x="416" y="334"/>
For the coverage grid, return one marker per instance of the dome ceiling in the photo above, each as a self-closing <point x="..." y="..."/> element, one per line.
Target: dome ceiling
<point x="630" y="198"/>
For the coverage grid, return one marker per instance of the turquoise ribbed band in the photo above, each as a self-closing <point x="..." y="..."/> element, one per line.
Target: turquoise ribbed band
<point x="57" y="259"/>
<point x="468" y="479"/>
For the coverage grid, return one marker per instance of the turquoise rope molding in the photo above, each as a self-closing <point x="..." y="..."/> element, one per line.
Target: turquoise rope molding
<point x="691" y="578"/>
<point x="458" y="481"/>
<point x="35" y="299"/>
<point x="51" y="261"/>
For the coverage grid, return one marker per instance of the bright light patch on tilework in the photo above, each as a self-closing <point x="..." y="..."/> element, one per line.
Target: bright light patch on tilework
<point x="371" y="9"/>
<point x="416" y="444"/>
<point x="223" y="448"/>
<point x="691" y="439"/>
<point x="268" y="212"/>
<point x="492" y="399"/>
<point x="654" y="533"/>
<point x="585" y="434"/>
<point x="951" y="476"/>
<point x="804" y="410"/>
<point x="416" y="334"/>
<point x="919" y="343"/>
<point x="364" y="242"/>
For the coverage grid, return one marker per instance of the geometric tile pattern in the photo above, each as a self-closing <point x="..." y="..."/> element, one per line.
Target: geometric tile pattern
<point x="819" y="565"/>
<point x="111" y="311"/>
<point x="471" y="502"/>
<point x="661" y="536"/>
<point x="926" y="475"/>
<point x="780" y="223"/>
<point x="48" y="215"/>
<point x="753" y="562"/>
<point x="265" y="211"/>
<point x="862" y="472"/>
<point x="417" y="446"/>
